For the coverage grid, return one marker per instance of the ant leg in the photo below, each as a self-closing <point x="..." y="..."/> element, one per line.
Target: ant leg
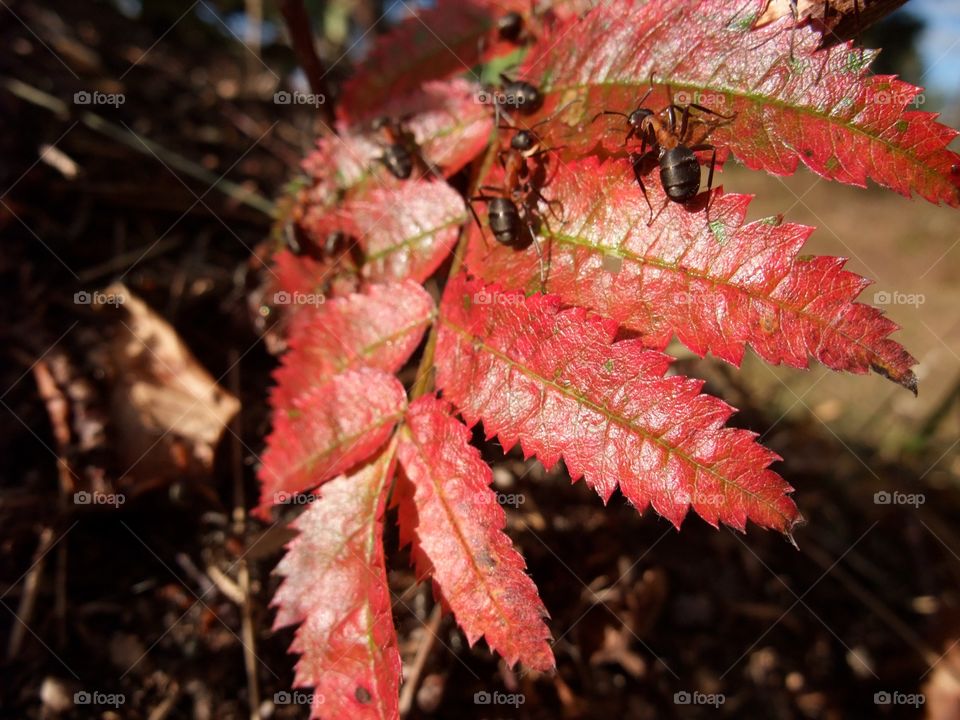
<point x="684" y="120"/>
<point x="701" y="108"/>
<point x="538" y="196"/>
<point x="540" y="259"/>
<point x="713" y="162"/>
<point x="637" y="161"/>
<point x="610" y="112"/>
<point x="476" y="217"/>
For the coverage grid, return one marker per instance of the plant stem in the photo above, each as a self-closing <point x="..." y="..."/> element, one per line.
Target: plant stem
<point x="301" y="37"/>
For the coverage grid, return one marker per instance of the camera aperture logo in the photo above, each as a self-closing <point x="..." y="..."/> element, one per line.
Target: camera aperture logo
<point x="498" y="698"/>
<point x="282" y="97"/>
<point x="85" y="497"/>
<point x="84" y="297"/>
<point x="85" y="97"/>
<point x="84" y="697"/>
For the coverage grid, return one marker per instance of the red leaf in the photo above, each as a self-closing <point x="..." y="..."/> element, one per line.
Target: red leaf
<point x="379" y="328"/>
<point x="435" y="43"/>
<point x="553" y="380"/>
<point x="447" y="123"/>
<point x="715" y="284"/>
<point x="326" y="431"/>
<point x="335" y="584"/>
<point x="792" y="102"/>
<point x="456" y="525"/>
<point x="408" y="230"/>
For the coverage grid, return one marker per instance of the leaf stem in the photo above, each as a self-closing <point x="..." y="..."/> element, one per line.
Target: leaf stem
<point x="301" y="37"/>
<point x="424" y="377"/>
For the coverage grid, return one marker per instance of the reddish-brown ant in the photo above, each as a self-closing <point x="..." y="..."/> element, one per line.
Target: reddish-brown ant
<point x="398" y="157"/>
<point x="511" y="213"/>
<point x="679" y="166"/>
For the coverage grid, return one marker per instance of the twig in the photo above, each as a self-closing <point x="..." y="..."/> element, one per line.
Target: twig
<point x="29" y="597"/>
<point x="142" y="145"/>
<point x="166" y="706"/>
<point x="875" y="605"/>
<point x="301" y="37"/>
<point x="239" y="530"/>
<point x="420" y="661"/>
<point x="424" y="381"/>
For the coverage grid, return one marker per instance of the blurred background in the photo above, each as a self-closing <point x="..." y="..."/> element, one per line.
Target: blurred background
<point x="141" y="153"/>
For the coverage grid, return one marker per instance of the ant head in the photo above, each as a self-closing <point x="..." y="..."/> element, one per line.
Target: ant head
<point x="521" y="95"/>
<point x="637" y="117"/>
<point x="523" y="141"/>
<point x="510" y="25"/>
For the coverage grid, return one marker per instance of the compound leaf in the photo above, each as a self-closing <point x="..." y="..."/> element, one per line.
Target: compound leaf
<point x="700" y="273"/>
<point x="790" y="100"/>
<point x="379" y="328"/>
<point x="326" y="430"/>
<point x="335" y="584"/>
<point x="456" y="526"/>
<point x="553" y="380"/>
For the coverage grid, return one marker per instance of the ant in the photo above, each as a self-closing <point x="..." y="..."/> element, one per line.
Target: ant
<point x="518" y="95"/>
<point x="679" y="166"/>
<point x="401" y="152"/>
<point x="510" y="27"/>
<point x="513" y="209"/>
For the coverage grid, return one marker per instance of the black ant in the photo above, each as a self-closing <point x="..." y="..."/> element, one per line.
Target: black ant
<point x="679" y="166"/>
<point x="401" y="152"/>
<point x="339" y="245"/>
<point x="518" y="95"/>
<point x="513" y="210"/>
<point x="510" y="27"/>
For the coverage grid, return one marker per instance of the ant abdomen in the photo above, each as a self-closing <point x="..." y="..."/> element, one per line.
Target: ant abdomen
<point x="503" y="217"/>
<point x="399" y="161"/>
<point x="680" y="173"/>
